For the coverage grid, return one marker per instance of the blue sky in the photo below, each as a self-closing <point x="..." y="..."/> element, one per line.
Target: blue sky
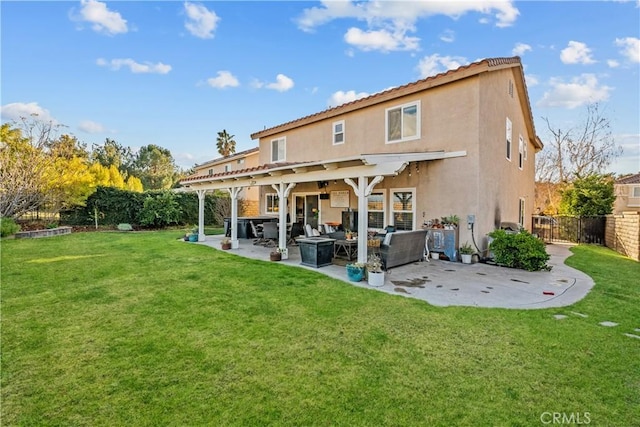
<point x="175" y="73"/>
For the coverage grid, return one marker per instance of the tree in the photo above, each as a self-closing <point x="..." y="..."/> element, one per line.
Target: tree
<point x="225" y="143"/>
<point x="23" y="169"/>
<point x="577" y="152"/>
<point x="155" y="167"/>
<point x="587" y="149"/>
<point x="589" y="196"/>
<point x="113" y="154"/>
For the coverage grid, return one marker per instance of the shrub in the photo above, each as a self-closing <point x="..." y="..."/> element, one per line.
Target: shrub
<point x="8" y="227"/>
<point x="160" y="210"/>
<point x="519" y="250"/>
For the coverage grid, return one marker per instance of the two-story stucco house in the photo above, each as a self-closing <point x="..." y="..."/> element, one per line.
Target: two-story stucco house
<point x="459" y="143"/>
<point x="627" y="192"/>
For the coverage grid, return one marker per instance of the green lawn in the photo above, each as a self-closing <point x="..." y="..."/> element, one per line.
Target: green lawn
<point x="106" y="329"/>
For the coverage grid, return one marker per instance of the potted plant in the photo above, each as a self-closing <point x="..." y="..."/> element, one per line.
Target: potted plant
<point x="375" y="275"/>
<point x="466" y="252"/>
<point x="275" y="255"/>
<point x="355" y="271"/>
<point x="225" y="243"/>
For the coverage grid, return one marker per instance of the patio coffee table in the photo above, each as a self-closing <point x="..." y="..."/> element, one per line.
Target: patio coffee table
<point x="346" y="249"/>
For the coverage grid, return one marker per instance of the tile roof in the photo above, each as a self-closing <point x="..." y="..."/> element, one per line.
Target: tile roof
<point x="631" y="179"/>
<point x="229" y="157"/>
<point x="260" y="168"/>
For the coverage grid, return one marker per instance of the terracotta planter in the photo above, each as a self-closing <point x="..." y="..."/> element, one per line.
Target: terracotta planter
<point x="225" y="246"/>
<point x="275" y="256"/>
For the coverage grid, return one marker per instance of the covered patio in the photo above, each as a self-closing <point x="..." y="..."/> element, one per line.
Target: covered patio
<point x="362" y="173"/>
<point x="444" y="283"/>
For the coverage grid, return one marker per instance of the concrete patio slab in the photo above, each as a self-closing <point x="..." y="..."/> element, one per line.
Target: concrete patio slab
<point x="444" y="283"/>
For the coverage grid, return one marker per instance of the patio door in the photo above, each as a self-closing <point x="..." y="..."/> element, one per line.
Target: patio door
<point x="307" y="209"/>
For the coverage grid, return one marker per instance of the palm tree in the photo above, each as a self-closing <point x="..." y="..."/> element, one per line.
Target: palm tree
<point x="225" y="143"/>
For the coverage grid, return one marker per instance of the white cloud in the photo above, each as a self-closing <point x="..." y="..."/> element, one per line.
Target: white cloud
<point x="582" y="90"/>
<point x="201" y="21"/>
<point x="282" y="83"/>
<point x="135" y="67"/>
<point x="340" y="97"/>
<point x="388" y="22"/>
<point x="532" y="80"/>
<point x="576" y="53"/>
<point x="102" y="19"/>
<point x="89" y="126"/>
<point x="224" y="79"/>
<point x="17" y="110"/>
<point x="435" y="64"/>
<point x="520" y="49"/>
<point x="630" y="48"/>
<point x="448" y="36"/>
<point x="612" y="63"/>
<point x="382" y="40"/>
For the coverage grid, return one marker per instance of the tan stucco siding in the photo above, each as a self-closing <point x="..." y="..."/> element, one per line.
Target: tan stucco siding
<point x="502" y="182"/>
<point x="445" y="125"/>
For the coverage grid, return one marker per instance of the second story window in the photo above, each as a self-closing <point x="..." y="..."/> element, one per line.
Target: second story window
<point x="210" y="171"/>
<point x="338" y="132"/>
<point x="240" y="161"/>
<point x="509" y="136"/>
<point x="520" y="152"/>
<point x="402" y="123"/>
<point x="227" y="168"/>
<point x="278" y="149"/>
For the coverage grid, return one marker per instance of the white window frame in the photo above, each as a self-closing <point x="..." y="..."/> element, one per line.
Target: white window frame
<point x="282" y="147"/>
<point x="240" y="161"/>
<point x="210" y="171"/>
<point x="392" y="211"/>
<point x="335" y="133"/>
<point x="509" y="129"/>
<point x="384" y="206"/>
<point x="635" y="189"/>
<point x="227" y="168"/>
<point x="274" y="208"/>
<point x="521" y="211"/>
<point x="403" y="138"/>
<point x="520" y="152"/>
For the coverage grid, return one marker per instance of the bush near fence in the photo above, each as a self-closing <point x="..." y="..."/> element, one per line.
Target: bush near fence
<point x="113" y="206"/>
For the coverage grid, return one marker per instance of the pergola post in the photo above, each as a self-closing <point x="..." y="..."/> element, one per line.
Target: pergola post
<point x="234" y="192"/>
<point x="283" y="191"/>
<point x="362" y="190"/>
<point x="201" y="198"/>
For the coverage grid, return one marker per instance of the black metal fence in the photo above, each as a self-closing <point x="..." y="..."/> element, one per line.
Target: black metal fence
<point x="573" y="229"/>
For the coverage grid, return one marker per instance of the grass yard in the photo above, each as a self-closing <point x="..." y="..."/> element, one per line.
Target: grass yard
<point x="110" y="329"/>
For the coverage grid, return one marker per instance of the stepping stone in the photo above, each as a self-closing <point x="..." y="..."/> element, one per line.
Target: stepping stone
<point x="438" y="286"/>
<point x="560" y="316"/>
<point x="455" y="289"/>
<point x="637" y="329"/>
<point x="579" y="314"/>
<point x="484" y="292"/>
<point x="608" y="324"/>
<point x="633" y="336"/>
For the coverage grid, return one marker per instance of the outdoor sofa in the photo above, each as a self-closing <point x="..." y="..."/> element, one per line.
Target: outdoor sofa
<point x="402" y="247"/>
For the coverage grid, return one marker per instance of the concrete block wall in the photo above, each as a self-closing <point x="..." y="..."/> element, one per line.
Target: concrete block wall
<point x="623" y="234"/>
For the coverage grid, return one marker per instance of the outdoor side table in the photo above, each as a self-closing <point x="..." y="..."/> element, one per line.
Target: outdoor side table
<point x="346" y="249"/>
